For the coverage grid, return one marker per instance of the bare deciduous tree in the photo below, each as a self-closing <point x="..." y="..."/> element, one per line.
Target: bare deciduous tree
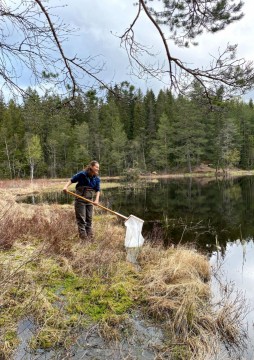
<point x="32" y="45"/>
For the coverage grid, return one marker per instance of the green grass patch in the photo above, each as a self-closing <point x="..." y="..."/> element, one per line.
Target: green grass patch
<point x="60" y="300"/>
<point x="97" y="299"/>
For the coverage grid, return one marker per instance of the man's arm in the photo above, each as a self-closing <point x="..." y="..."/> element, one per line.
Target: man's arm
<point x="97" y="197"/>
<point x="67" y="185"/>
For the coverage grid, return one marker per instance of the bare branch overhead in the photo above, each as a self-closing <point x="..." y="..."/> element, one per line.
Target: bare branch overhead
<point x="180" y="23"/>
<point x="33" y="38"/>
<point x="32" y="46"/>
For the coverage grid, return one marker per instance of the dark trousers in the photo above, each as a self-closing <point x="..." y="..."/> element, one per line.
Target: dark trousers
<point x="84" y="214"/>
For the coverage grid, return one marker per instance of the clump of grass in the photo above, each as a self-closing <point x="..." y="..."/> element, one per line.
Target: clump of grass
<point x="175" y="286"/>
<point x="229" y="316"/>
<point x="11" y="226"/>
<point x="175" y="282"/>
<point x="102" y="255"/>
<point x="51" y="226"/>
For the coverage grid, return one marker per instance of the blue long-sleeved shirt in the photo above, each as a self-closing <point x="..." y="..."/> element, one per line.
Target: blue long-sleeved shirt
<point x="83" y="179"/>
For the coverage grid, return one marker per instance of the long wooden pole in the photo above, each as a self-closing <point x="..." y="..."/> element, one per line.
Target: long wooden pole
<point x="99" y="205"/>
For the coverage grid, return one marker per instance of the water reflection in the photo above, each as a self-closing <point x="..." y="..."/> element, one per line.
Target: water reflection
<point x="236" y="267"/>
<point x="52" y="197"/>
<point x="191" y="210"/>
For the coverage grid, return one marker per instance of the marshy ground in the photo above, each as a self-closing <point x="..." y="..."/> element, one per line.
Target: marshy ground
<point x="84" y="300"/>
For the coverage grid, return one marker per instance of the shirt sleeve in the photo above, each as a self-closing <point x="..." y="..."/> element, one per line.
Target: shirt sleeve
<point x="75" y="178"/>
<point x="98" y="185"/>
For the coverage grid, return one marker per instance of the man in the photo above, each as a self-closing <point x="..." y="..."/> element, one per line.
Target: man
<point x="88" y="182"/>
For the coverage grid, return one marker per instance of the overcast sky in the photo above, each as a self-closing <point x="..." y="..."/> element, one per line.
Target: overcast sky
<point x="99" y="23"/>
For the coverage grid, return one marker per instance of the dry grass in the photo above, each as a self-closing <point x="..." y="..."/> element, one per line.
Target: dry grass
<point x="47" y="273"/>
<point x="40" y="222"/>
<point x="41" y="256"/>
<point x="176" y="284"/>
<point x="177" y="293"/>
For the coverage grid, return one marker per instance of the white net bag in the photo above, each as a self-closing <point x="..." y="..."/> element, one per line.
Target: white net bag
<point x="133" y="237"/>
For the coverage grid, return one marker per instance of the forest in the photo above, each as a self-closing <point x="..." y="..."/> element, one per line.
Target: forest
<point x="46" y="136"/>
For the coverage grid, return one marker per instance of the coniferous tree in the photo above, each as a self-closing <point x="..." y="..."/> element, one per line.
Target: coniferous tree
<point x="227" y="139"/>
<point x="125" y="100"/>
<point x="93" y="121"/>
<point x="245" y="115"/>
<point x="118" y="147"/>
<point x="114" y="141"/>
<point x="164" y="105"/>
<point x="189" y="134"/>
<point x="151" y="125"/>
<point x="60" y="146"/>
<point x="12" y="141"/>
<point x="138" y="143"/>
<point x="80" y="155"/>
<point x="163" y="144"/>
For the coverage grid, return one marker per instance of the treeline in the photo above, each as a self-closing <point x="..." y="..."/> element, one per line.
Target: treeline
<point x="128" y="129"/>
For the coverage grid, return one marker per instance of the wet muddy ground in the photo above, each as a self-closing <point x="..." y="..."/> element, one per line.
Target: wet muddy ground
<point x="139" y="340"/>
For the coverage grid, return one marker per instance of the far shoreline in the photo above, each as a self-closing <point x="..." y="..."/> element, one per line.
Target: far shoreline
<point x="21" y="186"/>
<point x="230" y="173"/>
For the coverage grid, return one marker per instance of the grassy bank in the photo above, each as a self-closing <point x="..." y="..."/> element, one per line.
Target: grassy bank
<point x="64" y="287"/>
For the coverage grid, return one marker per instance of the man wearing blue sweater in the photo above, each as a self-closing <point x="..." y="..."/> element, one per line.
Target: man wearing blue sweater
<point x="87" y="182"/>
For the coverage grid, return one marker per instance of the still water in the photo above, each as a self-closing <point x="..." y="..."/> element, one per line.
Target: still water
<point x="216" y="216"/>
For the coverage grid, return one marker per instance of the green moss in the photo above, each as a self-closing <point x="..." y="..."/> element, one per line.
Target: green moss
<point x="45" y="339"/>
<point x="61" y="300"/>
<point x="18" y="294"/>
<point x="82" y="299"/>
<point x="10" y="335"/>
<point x="180" y="352"/>
<point x="10" y="339"/>
<point x="95" y="298"/>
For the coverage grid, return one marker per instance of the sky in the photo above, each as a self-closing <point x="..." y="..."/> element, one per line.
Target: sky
<point x="100" y="23"/>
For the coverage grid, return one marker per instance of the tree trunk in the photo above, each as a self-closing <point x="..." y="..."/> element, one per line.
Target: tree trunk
<point x="8" y="157"/>
<point x="31" y="171"/>
<point x="189" y="161"/>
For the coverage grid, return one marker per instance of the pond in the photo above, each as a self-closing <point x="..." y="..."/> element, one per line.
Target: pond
<point x="221" y="210"/>
<point x="216" y="216"/>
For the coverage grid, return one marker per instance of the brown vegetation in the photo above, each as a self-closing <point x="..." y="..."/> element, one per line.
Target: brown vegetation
<point x="64" y="285"/>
